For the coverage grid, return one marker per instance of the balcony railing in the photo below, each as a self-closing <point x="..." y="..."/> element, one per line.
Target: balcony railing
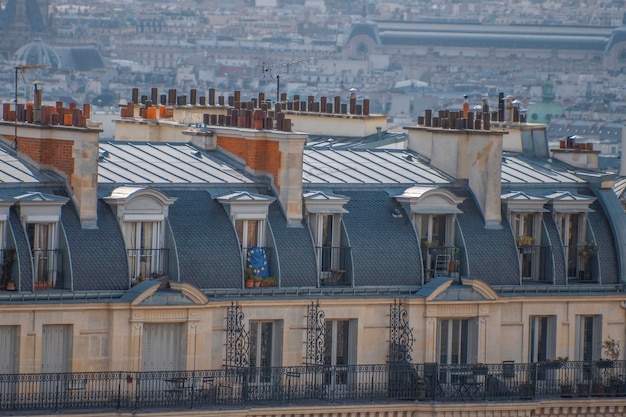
<point x="535" y="262"/>
<point x="334" y="265"/>
<point x="303" y="384"/>
<point x="440" y="261"/>
<point x="581" y="263"/>
<point x="48" y="271"/>
<point x="146" y="263"/>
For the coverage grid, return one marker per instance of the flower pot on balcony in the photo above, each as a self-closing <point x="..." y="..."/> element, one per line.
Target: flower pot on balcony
<point x="566" y="390"/>
<point x="582" y="389"/>
<point x="526" y="391"/>
<point x="249" y="283"/>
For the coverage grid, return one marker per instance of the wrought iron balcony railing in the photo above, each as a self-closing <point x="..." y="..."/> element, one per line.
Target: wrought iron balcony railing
<point x="581" y="263"/>
<point x="146" y="263"/>
<point x="440" y="261"/>
<point x="534" y="262"/>
<point x="47" y="269"/>
<point x="334" y="265"/>
<point x="302" y="384"/>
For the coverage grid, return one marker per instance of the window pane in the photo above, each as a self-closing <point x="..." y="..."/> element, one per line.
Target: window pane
<point x="252" y="233"/>
<point x="266" y="345"/>
<point x="253" y="345"/>
<point x="239" y="231"/>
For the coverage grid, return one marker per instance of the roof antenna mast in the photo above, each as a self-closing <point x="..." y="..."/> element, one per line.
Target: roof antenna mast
<point x="269" y="68"/>
<point x="21" y="69"/>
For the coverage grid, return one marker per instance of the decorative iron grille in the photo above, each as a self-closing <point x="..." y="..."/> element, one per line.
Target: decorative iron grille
<point x="237" y="348"/>
<point x="400" y="334"/>
<point x="315" y="335"/>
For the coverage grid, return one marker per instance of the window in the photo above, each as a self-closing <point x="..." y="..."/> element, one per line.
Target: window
<point x="265" y="346"/>
<point x="250" y="233"/>
<point x="436" y="229"/>
<point x="339" y="350"/>
<point x="43" y="242"/>
<point x="458" y="341"/>
<point x="9" y="349"/>
<point x="56" y="348"/>
<point x="325" y="229"/>
<point x="524" y="228"/>
<point x="542" y="338"/>
<point x="144" y="243"/>
<point x="164" y="347"/>
<point x="324" y="216"/>
<point x="142" y="214"/>
<point x="40" y="215"/>
<point x="588" y="337"/>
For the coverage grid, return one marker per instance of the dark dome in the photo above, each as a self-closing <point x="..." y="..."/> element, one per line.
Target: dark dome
<point x="37" y="53"/>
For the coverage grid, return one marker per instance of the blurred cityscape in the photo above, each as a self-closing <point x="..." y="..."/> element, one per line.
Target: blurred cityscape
<point x="561" y="60"/>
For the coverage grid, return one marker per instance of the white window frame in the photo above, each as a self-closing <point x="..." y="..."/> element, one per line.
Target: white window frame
<point x="135" y="208"/>
<point x="339" y="374"/>
<point x="260" y="374"/>
<point x="584" y="352"/>
<point x="244" y="238"/>
<point x="542" y="334"/>
<point x="144" y="252"/>
<point x="44" y="244"/>
<point x="454" y="330"/>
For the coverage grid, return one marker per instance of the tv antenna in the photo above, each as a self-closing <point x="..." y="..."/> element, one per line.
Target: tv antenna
<point x="21" y="69"/>
<point x="269" y="68"/>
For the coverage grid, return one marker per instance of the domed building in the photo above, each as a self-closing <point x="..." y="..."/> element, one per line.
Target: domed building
<point x="38" y="53"/>
<point x="547" y="109"/>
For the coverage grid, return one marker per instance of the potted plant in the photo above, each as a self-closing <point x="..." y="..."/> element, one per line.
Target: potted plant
<point x="611" y="349"/>
<point x="566" y="390"/>
<point x="555" y="363"/>
<point x="7" y="266"/>
<point x="257" y="281"/>
<point x="249" y="279"/>
<point x="526" y="391"/>
<point x="268" y="282"/>
<point x="587" y="251"/>
<point x="525" y="243"/>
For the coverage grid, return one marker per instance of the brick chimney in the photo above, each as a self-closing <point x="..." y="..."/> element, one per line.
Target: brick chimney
<point x="70" y="149"/>
<point x="274" y="154"/>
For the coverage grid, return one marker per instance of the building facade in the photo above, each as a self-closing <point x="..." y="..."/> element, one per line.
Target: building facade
<point x="310" y="250"/>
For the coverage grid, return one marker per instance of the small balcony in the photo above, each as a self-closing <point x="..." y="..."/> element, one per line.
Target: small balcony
<point x="440" y="261"/>
<point x="534" y="263"/>
<point x="47" y="269"/>
<point x="334" y="266"/>
<point x="582" y="263"/>
<point x="147" y="263"/>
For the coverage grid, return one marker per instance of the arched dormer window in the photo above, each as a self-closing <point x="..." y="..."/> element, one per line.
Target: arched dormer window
<point x="524" y="214"/>
<point x="40" y="215"/>
<point x="141" y="214"/>
<point x="323" y="214"/>
<point x="570" y="215"/>
<point x="248" y="212"/>
<point x="433" y="213"/>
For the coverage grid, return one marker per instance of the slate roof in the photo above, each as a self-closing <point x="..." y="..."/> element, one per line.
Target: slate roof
<point x="206" y="243"/>
<point x="294" y="249"/>
<point x="491" y="253"/>
<point x="384" y="247"/>
<point x="98" y="260"/>
<point x="607" y="253"/>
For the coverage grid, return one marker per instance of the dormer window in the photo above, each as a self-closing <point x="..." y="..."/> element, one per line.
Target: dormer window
<point x="324" y="212"/>
<point x="524" y="214"/>
<point x="40" y="215"/>
<point x="248" y="212"/>
<point x="141" y="214"/>
<point x="570" y="215"/>
<point x="433" y="214"/>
